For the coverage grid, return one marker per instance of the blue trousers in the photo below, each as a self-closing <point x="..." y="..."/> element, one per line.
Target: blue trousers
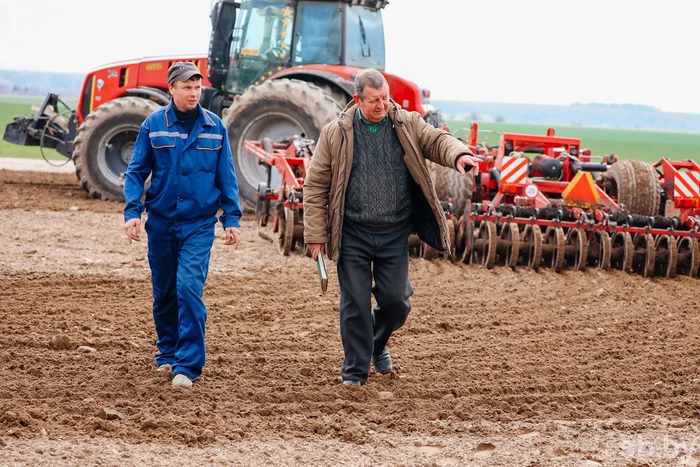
<point x="178" y="253"/>
<point x="363" y="257"/>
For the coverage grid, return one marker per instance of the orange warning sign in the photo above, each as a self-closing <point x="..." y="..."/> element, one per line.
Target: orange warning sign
<point x="581" y="191"/>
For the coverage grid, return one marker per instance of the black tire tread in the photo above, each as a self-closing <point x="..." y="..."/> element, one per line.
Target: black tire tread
<point x="87" y="130"/>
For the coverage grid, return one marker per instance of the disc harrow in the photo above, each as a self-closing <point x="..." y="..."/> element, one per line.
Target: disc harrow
<point x="534" y="242"/>
<point x="284" y="205"/>
<point x="542" y="201"/>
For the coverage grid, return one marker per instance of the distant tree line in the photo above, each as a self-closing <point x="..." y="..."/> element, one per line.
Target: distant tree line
<point x="35" y="83"/>
<point x="623" y="116"/>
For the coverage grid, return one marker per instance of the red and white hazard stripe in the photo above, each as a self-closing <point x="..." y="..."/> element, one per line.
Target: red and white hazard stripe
<point x="686" y="185"/>
<point x="514" y="169"/>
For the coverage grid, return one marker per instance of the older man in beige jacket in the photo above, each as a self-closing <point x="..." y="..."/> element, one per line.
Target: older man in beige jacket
<point x="367" y="188"/>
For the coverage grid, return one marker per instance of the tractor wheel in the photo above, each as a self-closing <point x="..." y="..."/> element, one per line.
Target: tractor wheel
<point x="636" y="185"/>
<point x="451" y="184"/>
<point x="104" y="143"/>
<point x="277" y="109"/>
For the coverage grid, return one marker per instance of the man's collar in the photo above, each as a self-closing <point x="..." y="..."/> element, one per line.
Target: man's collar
<point x="370" y="125"/>
<point x="171" y="118"/>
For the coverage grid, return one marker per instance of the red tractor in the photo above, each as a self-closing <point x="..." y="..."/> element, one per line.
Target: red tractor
<point x="275" y="68"/>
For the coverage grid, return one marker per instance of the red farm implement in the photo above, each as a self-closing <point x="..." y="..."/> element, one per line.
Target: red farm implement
<point x="290" y="161"/>
<point x="543" y="200"/>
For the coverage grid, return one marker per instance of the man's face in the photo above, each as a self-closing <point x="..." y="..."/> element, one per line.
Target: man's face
<point x="186" y="94"/>
<point x="375" y="103"/>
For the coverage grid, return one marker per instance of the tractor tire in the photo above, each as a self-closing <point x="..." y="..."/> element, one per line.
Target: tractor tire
<point x="277" y="109"/>
<point x="104" y="144"/>
<point x="451" y="184"/>
<point x="636" y="185"/>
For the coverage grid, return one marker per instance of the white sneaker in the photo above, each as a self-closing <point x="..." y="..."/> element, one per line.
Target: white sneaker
<point x="181" y="380"/>
<point x="165" y="367"/>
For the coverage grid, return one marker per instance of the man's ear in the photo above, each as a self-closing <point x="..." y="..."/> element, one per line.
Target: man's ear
<point x="356" y="98"/>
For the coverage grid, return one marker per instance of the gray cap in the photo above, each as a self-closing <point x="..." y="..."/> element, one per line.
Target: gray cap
<point x="182" y="71"/>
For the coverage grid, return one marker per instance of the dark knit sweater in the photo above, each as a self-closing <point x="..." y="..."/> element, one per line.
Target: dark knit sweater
<point x="378" y="195"/>
<point x="188" y="117"/>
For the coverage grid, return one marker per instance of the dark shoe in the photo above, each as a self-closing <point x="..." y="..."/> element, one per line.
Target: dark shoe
<point x="382" y="362"/>
<point x="352" y="382"/>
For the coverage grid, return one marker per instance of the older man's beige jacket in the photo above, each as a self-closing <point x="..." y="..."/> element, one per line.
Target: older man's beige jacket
<point x="329" y="172"/>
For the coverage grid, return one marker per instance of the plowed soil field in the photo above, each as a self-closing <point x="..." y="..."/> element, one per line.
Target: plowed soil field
<point x="494" y="367"/>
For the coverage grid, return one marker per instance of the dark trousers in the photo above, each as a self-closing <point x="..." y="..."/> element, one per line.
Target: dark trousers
<point x="364" y="256"/>
<point x="178" y="254"/>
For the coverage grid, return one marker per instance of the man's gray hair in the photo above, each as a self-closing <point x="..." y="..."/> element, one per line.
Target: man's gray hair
<point x="369" y="77"/>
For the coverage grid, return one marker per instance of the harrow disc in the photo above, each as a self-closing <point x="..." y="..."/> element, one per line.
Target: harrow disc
<point x="688" y="257"/>
<point x="262" y="205"/>
<point x="414" y="245"/>
<point x="461" y="229"/>
<point x="554" y="248"/>
<point x="599" y="249"/>
<point x="577" y="248"/>
<point x="485" y="245"/>
<point x="307" y="251"/>
<point x="509" y="245"/>
<point x="285" y="232"/>
<point x="622" y="249"/>
<point x="644" y="256"/>
<point x="531" y="246"/>
<point x="425" y="251"/>
<point x="468" y="243"/>
<point x="666" y="256"/>
<point x="452" y="232"/>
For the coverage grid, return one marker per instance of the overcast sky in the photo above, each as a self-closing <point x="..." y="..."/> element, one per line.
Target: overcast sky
<point x="531" y="51"/>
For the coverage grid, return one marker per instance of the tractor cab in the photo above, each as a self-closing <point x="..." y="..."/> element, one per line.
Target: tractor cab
<point x="272" y="35"/>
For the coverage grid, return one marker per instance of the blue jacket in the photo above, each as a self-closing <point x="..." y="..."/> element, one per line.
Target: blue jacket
<point x="191" y="175"/>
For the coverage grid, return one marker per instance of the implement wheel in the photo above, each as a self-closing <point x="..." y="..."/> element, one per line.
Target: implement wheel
<point x="554" y="248"/>
<point x="531" y="246"/>
<point x="636" y="185"/>
<point x="485" y="245"/>
<point x="577" y="243"/>
<point x="666" y="256"/>
<point x="599" y="248"/>
<point x="451" y="184"/>
<point x="622" y="249"/>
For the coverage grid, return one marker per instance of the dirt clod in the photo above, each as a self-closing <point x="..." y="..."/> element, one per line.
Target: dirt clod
<point x="109" y="414"/>
<point x="60" y="342"/>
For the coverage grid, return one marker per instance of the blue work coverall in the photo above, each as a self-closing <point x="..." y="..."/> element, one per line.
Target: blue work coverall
<point x="192" y="176"/>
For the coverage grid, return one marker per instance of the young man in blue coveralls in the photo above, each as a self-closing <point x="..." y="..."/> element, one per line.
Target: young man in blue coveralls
<point x="185" y="149"/>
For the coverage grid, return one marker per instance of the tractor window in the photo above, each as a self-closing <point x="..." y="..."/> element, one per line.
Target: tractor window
<point x="317" y="34"/>
<point x="364" y="38"/>
<point x="262" y="43"/>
